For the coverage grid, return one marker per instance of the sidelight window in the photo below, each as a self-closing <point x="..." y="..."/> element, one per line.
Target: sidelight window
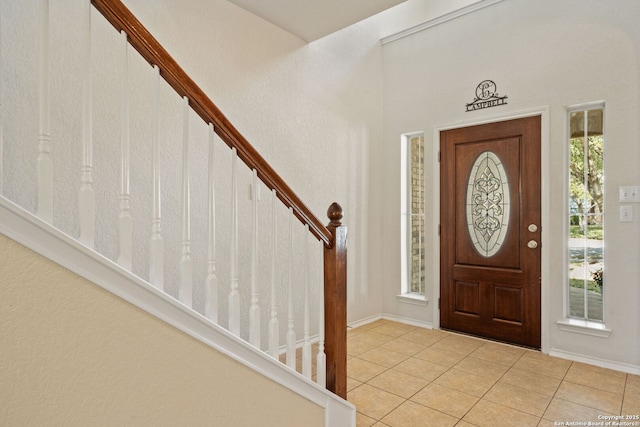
<point x="586" y="213"/>
<point x="413" y="215"/>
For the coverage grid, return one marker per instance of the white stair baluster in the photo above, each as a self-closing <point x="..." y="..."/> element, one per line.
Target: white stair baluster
<point x="321" y="358"/>
<point x="185" y="287"/>
<point x="291" y="334"/>
<point x="234" y="295"/>
<point x="274" y="326"/>
<point x="44" y="202"/>
<point x="254" y="309"/>
<point x="87" y="197"/>
<point x="156" y="250"/>
<point x="306" y="346"/>
<point x="211" y="282"/>
<point x="125" y="238"/>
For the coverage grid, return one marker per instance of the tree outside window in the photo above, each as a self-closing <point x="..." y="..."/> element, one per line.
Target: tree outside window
<point x="586" y="214"/>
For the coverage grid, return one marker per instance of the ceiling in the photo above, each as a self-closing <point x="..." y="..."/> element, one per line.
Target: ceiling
<point x="312" y="19"/>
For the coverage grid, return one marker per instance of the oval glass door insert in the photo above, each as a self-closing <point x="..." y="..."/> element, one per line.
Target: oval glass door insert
<point x="487" y="204"/>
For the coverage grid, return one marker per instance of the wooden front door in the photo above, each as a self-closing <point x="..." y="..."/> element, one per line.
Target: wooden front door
<point x="490" y="230"/>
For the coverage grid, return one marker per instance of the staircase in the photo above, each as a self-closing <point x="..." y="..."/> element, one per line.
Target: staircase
<point x="136" y="185"/>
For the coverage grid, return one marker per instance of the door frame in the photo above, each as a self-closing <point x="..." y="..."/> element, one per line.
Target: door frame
<point x="543" y="112"/>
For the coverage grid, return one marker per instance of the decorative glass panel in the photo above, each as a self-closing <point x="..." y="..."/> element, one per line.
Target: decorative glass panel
<point x="416" y="215"/>
<point x="414" y="273"/>
<point x="586" y="214"/>
<point x="487" y="204"/>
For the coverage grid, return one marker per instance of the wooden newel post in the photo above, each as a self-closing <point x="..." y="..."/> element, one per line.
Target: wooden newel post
<point x="335" y="303"/>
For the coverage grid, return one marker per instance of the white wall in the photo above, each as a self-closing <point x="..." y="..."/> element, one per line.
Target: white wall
<point x="543" y="55"/>
<point x="312" y="110"/>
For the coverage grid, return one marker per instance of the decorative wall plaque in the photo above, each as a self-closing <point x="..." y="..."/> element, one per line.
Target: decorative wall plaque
<point x="486" y="97"/>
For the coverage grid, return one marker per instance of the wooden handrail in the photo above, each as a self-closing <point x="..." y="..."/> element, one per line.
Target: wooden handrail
<point x="151" y="50"/>
<point x="334" y="236"/>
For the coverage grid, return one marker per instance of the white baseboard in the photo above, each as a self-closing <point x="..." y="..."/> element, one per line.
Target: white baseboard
<point x="602" y="363"/>
<point x="364" y="321"/>
<point x="392" y="317"/>
<point x="412" y="322"/>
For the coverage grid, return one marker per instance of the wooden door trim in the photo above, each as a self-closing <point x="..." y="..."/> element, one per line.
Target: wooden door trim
<point x="543" y="112"/>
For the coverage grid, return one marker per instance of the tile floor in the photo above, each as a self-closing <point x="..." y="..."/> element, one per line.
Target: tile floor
<point x="403" y="376"/>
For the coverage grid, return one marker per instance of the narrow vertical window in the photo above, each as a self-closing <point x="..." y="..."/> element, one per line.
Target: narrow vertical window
<point x="586" y="213"/>
<point x="413" y="220"/>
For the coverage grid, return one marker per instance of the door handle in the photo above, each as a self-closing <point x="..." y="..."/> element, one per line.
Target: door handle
<point x="532" y="244"/>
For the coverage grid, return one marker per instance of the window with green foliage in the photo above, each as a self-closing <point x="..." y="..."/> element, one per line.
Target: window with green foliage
<point x="586" y="213"/>
<point x="413" y="253"/>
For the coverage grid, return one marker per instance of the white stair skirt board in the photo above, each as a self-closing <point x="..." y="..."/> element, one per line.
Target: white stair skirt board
<point x="37" y="235"/>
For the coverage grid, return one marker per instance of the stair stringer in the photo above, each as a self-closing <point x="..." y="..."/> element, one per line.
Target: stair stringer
<point x="30" y="231"/>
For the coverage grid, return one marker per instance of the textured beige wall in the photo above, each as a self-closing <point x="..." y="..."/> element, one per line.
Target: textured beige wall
<point x="73" y="354"/>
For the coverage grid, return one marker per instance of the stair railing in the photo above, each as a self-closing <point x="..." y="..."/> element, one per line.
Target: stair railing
<point x="331" y="352"/>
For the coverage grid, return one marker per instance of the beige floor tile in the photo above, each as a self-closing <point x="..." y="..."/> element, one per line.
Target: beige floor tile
<point x="631" y="404"/>
<point x="502" y="354"/>
<point x="383" y="357"/>
<point x="351" y="384"/>
<point x="440" y="356"/>
<point x="539" y="363"/>
<point x="489" y="414"/>
<point x="518" y="398"/>
<point x="364" y="421"/>
<point x="372" y="338"/>
<point x="411" y="414"/>
<point x="356" y="347"/>
<point x="532" y="381"/>
<point x="444" y="399"/>
<point x="459" y="343"/>
<point x="598" y="370"/>
<point x="447" y="376"/>
<point x="465" y="382"/>
<point x="425" y="337"/>
<point x="362" y="370"/>
<point x="352" y="332"/>
<point x="399" y="383"/>
<point x="481" y="367"/>
<point x="394" y="329"/>
<point x="562" y="410"/>
<point x="633" y="384"/>
<point x="591" y="397"/>
<point x="401" y="345"/>
<point x="420" y="369"/>
<point x="596" y="377"/>
<point x="373" y="402"/>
